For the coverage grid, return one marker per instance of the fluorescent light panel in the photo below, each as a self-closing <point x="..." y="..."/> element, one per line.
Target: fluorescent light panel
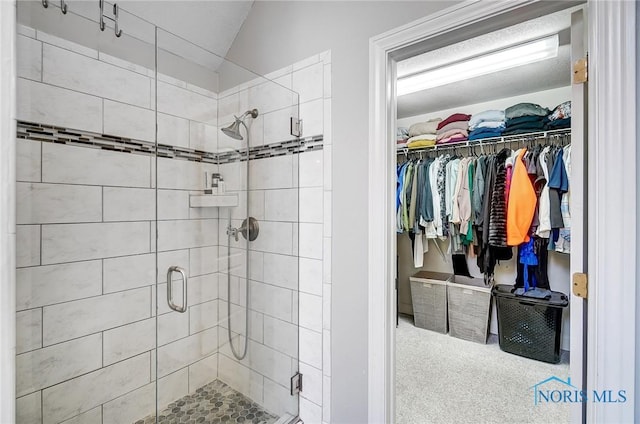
<point x="500" y="60"/>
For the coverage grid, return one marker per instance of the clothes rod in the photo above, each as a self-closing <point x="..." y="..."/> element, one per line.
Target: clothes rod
<point x="488" y="141"/>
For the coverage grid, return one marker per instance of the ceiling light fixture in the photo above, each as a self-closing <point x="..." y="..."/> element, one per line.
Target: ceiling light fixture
<point x="499" y="60"/>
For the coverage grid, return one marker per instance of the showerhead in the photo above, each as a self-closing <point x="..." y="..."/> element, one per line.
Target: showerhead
<point x="233" y="130"/>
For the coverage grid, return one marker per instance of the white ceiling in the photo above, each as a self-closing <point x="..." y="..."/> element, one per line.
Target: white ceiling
<point x="199" y="31"/>
<point x="547" y="74"/>
<point x="210" y="24"/>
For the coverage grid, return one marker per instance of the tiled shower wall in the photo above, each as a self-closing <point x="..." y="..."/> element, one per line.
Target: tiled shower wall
<point x="290" y="196"/>
<point x="86" y="240"/>
<point x="85" y="278"/>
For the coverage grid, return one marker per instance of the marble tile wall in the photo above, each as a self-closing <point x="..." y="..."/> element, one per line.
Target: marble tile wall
<point x="290" y="262"/>
<point x="85" y="291"/>
<point x="87" y="220"/>
<point x="87" y="239"/>
<point x="64" y="84"/>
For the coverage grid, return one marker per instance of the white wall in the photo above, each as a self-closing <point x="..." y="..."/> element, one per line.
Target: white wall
<point x="277" y="34"/>
<point x="7" y="210"/>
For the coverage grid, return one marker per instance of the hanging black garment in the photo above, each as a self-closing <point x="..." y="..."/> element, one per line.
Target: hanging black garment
<point x="539" y="271"/>
<point x="494" y="249"/>
<point x="460" y="266"/>
<point x="498" y="214"/>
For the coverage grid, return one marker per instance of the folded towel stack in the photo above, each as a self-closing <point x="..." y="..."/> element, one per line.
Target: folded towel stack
<point x="423" y="133"/>
<point x="454" y="128"/>
<point x="525" y="118"/>
<point x="487" y="124"/>
<point x="560" y="117"/>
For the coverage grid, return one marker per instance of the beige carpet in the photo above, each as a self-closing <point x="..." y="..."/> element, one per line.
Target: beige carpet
<point x="441" y="379"/>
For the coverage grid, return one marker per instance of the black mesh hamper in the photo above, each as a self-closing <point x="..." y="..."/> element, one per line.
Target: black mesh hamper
<point x="528" y="326"/>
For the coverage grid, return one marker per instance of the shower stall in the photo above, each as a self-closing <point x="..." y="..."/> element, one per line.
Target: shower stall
<point x="157" y="236"/>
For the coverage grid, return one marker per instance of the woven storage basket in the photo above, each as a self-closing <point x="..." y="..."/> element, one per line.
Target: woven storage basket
<point x="429" y="298"/>
<point x="469" y="302"/>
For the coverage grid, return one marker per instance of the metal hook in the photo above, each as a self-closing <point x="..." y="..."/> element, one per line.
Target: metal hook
<point x="118" y="31"/>
<point x="45" y="3"/>
<point x="101" y="5"/>
<point x="63" y="6"/>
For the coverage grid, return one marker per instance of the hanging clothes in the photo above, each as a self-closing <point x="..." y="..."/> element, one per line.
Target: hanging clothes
<point x="464" y="202"/>
<point x="544" y="208"/>
<point x="564" y="237"/>
<point x="443" y="230"/>
<point x="521" y="204"/>
<point x="485" y="205"/>
<point x="498" y="215"/>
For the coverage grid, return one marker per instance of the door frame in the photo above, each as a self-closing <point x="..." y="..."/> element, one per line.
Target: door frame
<point x="610" y="347"/>
<point x="8" y="78"/>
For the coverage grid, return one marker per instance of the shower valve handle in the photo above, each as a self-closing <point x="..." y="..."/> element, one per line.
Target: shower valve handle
<point x="233" y="232"/>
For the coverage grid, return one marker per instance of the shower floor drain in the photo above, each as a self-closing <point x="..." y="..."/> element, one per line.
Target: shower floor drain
<point x="214" y="403"/>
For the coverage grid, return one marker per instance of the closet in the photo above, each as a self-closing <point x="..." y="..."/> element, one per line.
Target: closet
<point x="483" y="197"/>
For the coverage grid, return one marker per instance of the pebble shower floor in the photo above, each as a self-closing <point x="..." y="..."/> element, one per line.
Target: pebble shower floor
<point x="214" y="403"/>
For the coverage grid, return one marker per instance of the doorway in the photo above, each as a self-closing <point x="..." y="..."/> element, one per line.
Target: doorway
<point x="398" y="45"/>
<point x="473" y="103"/>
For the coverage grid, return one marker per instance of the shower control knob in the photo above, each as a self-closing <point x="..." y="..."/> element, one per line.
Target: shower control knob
<point x="250" y="229"/>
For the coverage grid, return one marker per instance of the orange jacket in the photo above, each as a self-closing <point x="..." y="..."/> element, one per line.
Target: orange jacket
<point x="522" y="204"/>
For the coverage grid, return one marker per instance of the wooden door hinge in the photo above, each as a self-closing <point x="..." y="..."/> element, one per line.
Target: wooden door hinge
<point x="581" y="285"/>
<point x="580" y="69"/>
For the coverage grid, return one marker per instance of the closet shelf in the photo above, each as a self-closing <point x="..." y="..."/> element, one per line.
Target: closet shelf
<point x="213" y="200"/>
<point x="489" y="141"/>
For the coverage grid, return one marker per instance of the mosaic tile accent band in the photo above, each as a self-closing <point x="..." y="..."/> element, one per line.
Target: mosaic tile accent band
<point x="54" y="134"/>
<point x="214" y="403"/>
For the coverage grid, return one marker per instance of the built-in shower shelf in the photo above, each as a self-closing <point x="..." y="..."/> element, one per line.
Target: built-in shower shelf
<point x="213" y="200"/>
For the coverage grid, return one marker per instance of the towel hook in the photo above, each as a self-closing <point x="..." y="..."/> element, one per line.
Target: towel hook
<point x="63" y="6"/>
<point x="116" y="10"/>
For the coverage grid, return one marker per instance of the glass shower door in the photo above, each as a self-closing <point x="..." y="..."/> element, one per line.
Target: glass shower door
<point x="227" y="217"/>
<point x="86" y="210"/>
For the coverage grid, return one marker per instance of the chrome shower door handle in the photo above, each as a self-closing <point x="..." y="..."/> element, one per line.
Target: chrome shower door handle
<point x="172" y="305"/>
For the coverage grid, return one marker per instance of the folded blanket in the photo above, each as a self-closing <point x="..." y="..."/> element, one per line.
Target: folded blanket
<point x="530" y="126"/>
<point x="524" y="130"/>
<point x="420" y="143"/>
<point x="558" y="124"/>
<point x="487" y="115"/>
<point x="524" y="119"/>
<point x="484" y="134"/>
<point x="453" y="118"/>
<point x="456" y="125"/>
<point x="451" y="133"/>
<point x="453" y="139"/>
<point x="421" y="137"/>
<point x="489" y="124"/>
<point x="523" y="109"/>
<point x="428" y="127"/>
